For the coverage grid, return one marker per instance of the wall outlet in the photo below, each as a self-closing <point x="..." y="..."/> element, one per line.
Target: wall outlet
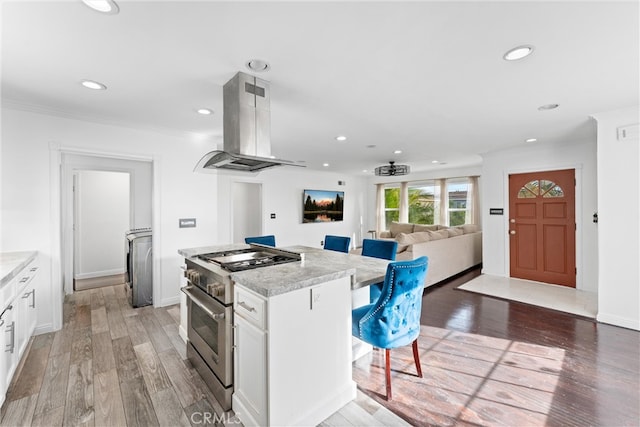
<point x="321" y="242"/>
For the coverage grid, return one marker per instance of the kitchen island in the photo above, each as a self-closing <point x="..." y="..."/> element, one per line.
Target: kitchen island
<point x="292" y="334"/>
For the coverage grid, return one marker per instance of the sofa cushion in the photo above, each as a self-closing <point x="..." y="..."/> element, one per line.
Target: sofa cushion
<point x="400" y="227"/>
<point x="425" y="227"/>
<point x="455" y="231"/>
<point x="438" y="235"/>
<point x="411" y="238"/>
<point x="470" y="228"/>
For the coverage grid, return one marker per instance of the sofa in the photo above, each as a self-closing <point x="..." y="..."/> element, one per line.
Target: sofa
<point x="451" y="250"/>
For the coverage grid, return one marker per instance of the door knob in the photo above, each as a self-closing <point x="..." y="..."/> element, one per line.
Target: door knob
<point x="512" y="221"/>
<point x="512" y="232"/>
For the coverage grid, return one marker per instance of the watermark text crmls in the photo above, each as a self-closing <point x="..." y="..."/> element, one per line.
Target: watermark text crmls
<point x="206" y="418"/>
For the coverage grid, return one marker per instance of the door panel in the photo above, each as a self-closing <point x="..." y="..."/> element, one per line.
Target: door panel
<point x="542" y="226"/>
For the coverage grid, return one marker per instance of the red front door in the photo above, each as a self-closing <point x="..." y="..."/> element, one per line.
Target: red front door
<point x="542" y="230"/>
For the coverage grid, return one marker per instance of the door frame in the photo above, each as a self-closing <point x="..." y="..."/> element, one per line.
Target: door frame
<point x="578" y="214"/>
<point x="260" y="184"/>
<point x="60" y="200"/>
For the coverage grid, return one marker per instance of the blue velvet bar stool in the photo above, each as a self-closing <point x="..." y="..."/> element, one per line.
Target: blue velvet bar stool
<point x="384" y="249"/>
<point x="269" y="240"/>
<point x="337" y="243"/>
<point x="394" y="319"/>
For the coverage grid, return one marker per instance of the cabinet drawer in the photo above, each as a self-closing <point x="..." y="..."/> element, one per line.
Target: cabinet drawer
<point x="26" y="276"/>
<point x="8" y="293"/>
<point x="250" y="307"/>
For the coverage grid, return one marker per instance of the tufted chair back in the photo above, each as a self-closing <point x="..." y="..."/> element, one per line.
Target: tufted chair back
<point x="394" y="319"/>
<point x="337" y="243"/>
<point x="384" y="249"/>
<point x="269" y="240"/>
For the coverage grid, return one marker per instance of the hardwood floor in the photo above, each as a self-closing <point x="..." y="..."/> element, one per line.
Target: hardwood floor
<point x="112" y="365"/>
<point x="489" y="361"/>
<point x="485" y="361"/>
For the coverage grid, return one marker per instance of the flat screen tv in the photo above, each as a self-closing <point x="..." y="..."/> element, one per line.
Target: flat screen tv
<point x="322" y="206"/>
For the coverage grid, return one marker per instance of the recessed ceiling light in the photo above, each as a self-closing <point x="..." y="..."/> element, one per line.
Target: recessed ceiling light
<point x="364" y="170"/>
<point x="435" y="162"/>
<point x="397" y="152"/>
<point x="204" y="111"/>
<point x="257" y="65"/>
<point x="548" y="107"/>
<point x="103" y="6"/>
<point x="341" y="138"/>
<point x="326" y="165"/>
<point x="531" y="140"/>
<point x="518" y="53"/>
<point x="90" y="84"/>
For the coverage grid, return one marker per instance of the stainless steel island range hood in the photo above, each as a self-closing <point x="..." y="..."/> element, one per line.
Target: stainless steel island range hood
<point x="246" y="127"/>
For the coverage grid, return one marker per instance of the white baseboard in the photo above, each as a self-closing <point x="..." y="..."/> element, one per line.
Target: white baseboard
<point x="43" y="329"/>
<point x="94" y="274"/>
<point x="168" y="301"/>
<point x="624" y="322"/>
<point x="330" y="405"/>
<point x="183" y="333"/>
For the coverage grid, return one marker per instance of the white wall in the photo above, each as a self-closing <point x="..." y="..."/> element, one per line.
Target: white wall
<point x="141" y="180"/>
<point x="30" y="199"/>
<point x="282" y="189"/>
<point x="618" y="221"/>
<point x="102" y="217"/>
<point x="496" y="167"/>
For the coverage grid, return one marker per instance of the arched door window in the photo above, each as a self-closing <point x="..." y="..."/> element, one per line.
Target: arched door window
<point x="540" y="188"/>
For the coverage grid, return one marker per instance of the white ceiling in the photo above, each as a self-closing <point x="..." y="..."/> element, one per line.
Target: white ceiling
<point x="426" y="78"/>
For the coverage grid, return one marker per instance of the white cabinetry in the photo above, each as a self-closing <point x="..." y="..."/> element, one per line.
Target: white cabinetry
<point x="292" y="354"/>
<point x="17" y="322"/>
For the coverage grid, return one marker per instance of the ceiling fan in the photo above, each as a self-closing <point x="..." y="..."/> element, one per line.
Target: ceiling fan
<point x="392" y="170"/>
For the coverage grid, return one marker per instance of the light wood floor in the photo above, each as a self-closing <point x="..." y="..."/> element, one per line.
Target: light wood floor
<point x="112" y="365"/>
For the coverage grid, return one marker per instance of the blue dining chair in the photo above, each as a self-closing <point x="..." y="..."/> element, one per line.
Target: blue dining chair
<point x="394" y="319"/>
<point x="337" y="243"/>
<point x="384" y="249"/>
<point x="269" y="240"/>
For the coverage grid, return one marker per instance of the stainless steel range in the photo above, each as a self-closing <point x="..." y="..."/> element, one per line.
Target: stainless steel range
<point x="210" y="310"/>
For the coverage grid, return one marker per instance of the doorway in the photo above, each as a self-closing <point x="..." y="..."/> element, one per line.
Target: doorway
<point x="542" y="227"/>
<point x="247" y="210"/>
<point x="101" y="215"/>
<point x="139" y="195"/>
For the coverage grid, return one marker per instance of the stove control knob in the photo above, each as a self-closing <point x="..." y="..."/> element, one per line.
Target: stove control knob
<point x="217" y="289"/>
<point x="192" y="275"/>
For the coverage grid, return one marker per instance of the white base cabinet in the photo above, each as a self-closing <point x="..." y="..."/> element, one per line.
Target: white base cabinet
<point x="292" y="354"/>
<point x="17" y="322"/>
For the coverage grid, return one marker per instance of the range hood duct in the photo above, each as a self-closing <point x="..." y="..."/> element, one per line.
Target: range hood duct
<point x="246" y="127"/>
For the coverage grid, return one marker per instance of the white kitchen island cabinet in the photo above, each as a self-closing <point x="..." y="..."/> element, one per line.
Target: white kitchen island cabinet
<point x="292" y="354"/>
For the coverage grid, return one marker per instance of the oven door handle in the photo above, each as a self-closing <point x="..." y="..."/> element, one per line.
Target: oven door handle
<point x="196" y="299"/>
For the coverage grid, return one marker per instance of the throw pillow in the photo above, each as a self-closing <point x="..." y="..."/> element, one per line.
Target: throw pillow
<point x="455" y="231"/>
<point x="438" y="235"/>
<point x="424" y="227"/>
<point x="469" y="228"/>
<point x="412" y="238"/>
<point x="400" y="227"/>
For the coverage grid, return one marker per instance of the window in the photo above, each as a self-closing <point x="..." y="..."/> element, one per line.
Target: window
<point x="424" y="203"/>
<point x="459" y="203"/>
<point x="391" y="205"/>
<point x="451" y="201"/>
<point x="542" y="188"/>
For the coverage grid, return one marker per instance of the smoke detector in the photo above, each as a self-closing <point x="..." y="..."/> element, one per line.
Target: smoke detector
<point x="392" y="170"/>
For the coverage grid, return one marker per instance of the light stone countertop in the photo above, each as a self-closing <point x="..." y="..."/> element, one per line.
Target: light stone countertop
<point x="11" y="263"/>
<point x="318" y="266"/>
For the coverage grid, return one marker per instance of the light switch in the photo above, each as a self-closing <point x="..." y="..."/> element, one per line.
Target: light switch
<point x="187" y="222"/>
